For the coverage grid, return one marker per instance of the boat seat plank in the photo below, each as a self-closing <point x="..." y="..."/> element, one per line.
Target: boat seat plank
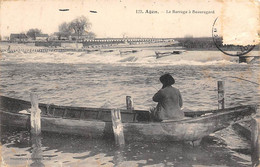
<point x="58" y="113"/>
<point x="88" y="115"/>
<point x="99" y="114"/>
<point x="69" y="113"/>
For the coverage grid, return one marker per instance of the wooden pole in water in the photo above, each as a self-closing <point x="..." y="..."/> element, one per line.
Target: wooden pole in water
<point x="221" y="94"/>
<point x="35" y="115"/>
<point x="118" y="127"/>
<point x="129" y="103"/>
<point x="254" y="141"/>
<point x="36" y="154"/>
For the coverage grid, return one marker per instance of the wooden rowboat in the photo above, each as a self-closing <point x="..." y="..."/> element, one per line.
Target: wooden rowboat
<point x="137" y="125"/>
<point x="163" y="54"/>
<point x="123" y="52"/>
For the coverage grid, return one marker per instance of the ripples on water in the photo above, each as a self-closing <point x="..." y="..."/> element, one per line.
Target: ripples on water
<point x="63" y="150"/>
<point x="103" y="80"/>
<point x="107" y="85"/>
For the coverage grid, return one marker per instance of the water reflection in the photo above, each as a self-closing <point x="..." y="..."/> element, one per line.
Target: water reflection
<point x="118" y="156"/>
<point x="36" y="155"/>
<point x="57" y="149"/>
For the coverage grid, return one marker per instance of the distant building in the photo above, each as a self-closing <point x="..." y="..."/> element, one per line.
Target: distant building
<point x="18" y="37"/>
<point x="74" y="37"/>
<point x="41" y="37"/>
<point x="60" y="36"/>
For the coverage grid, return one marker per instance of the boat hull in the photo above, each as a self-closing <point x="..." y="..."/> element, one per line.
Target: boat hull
<point x="188" y="129"/>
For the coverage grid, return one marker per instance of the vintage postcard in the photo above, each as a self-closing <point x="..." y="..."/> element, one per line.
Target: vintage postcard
<point x="129" y="83"/>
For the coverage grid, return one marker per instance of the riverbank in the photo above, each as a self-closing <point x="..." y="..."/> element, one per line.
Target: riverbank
<point x="30" y="47"/>
<point x="72" y="46"/>
<point x="17" y="46"/>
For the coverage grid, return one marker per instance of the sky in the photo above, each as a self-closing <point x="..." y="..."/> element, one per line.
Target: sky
<point x="114" y="18"/>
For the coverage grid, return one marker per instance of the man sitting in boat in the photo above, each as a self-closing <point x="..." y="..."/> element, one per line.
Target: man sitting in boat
<point x="169" y="100"/>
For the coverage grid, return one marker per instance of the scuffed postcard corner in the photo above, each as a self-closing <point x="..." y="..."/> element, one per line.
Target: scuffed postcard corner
<point x="239" y="22"/>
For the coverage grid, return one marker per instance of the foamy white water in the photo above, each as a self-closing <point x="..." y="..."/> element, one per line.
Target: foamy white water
<point x="140" y="58"/>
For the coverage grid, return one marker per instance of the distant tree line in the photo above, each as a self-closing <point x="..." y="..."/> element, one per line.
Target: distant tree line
<point x="190" y="42"/>
<point x="78" y="27"/>
<point x="204" y="43"/>
<point x="33" y="32"/>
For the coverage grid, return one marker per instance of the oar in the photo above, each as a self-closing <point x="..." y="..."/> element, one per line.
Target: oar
<point x="155" y="88"/>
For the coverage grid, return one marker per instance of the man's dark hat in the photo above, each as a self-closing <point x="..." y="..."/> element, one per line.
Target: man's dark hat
<point x="167" y="79"/>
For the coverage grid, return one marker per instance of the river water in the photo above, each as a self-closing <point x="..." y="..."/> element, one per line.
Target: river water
<point x="104" y="79"/>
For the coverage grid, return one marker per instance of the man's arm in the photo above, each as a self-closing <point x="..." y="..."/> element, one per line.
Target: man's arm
<point x="158" y="96"/>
